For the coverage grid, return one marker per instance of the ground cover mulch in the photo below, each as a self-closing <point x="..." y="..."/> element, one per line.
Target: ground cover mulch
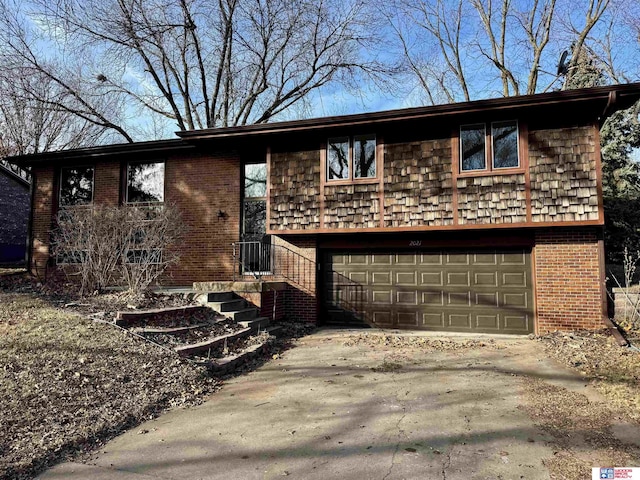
<point x="577" y="425"/>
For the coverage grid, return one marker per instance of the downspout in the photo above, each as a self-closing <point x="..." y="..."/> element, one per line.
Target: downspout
<point x="610" y="108"/>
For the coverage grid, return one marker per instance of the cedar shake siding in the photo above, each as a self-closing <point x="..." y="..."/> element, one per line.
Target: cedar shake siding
<point x="418" y="185"/>
<point x="492" y="199"/>
<point x="564" y="174"/>
<point x="351" y="206"/>
<point x="421" y="187"/>
<point x="294" y="181"/>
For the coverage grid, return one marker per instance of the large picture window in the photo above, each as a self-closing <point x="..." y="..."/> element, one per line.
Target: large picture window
<point x="145" y="182"/>
<point x="76" y="186"/>
<point x="351" y="158"/>
<point x="489" y="149"/>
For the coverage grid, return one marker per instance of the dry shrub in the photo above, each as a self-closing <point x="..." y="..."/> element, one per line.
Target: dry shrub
<point x="130" y="245"/>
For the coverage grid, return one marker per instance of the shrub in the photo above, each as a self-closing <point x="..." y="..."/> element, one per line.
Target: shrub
<point x="103" y="246"/>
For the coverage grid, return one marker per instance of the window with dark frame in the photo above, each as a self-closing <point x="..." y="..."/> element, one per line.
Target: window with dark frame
<point x="76" y="186"/>
<point x="502" y="141"/>
<point x="145" y="182"/>
<point x="351" y="158"/>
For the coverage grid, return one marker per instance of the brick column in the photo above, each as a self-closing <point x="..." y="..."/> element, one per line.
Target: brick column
<point x="42" y="211"/>
<point x="569" y="287"/>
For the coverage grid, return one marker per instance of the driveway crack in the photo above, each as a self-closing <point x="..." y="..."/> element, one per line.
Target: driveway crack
<point x="446" y="464"/>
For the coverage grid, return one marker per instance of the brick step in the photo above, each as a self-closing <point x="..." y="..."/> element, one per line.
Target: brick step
<point x="193" y="348"/>
<point x="257" y="324"/>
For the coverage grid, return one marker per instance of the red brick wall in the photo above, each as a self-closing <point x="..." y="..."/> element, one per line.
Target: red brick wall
<point x="297" y="266"/>
<point x="200" y="186"/>
<point x="42" y="219"/>
<point x="569" y="288"/>
<point x="106" y="183"/>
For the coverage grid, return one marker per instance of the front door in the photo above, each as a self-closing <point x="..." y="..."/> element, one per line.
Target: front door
<point x="255" y="251"/>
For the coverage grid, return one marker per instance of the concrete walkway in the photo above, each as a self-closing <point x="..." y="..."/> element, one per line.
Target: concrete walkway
<point x="325" y="410"/>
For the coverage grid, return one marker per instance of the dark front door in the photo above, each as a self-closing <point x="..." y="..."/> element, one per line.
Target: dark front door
<point x="455" y="290"/>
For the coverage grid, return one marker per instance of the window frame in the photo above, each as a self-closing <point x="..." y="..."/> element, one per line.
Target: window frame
<point x="126" y="183"/>
<point x="93" y="186"/>
<point x="351" y="179"/>
<point x="489" y="163"/>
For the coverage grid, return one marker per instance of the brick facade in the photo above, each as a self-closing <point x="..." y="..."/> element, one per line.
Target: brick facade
<point x="569" y="287"/>
<point x="42" y="211"/>
<point x="200" y="187"/>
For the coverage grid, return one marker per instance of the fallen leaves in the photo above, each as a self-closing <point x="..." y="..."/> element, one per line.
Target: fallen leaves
<point x="68" y="384"/>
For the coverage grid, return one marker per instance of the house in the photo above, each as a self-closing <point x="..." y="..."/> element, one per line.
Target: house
<point x="483" y="216"/>
<point x="14" y="215"/>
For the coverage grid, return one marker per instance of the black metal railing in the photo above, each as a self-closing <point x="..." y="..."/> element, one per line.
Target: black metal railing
<point x="258" y="260"/>
<point x="342" y="293"/>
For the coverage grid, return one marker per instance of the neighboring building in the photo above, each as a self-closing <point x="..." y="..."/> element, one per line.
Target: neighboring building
<point x="481" y="216"/>
<point x="14" y="216"/>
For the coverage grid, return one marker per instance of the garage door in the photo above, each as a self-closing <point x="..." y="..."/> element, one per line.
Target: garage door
<point x="467" y="291"/>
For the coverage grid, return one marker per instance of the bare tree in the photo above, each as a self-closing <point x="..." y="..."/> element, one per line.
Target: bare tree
<point x="500" y="46"/>
<point x="193" y="63"/>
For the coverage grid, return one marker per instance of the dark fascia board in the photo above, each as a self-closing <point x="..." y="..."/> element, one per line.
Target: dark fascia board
<point x="602" y="100"/>
<point x="13" y="176"/>
<point x="625" y="96"/>
<point x="103" y="151"/>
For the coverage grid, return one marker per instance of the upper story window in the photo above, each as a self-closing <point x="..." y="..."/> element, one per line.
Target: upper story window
<point x="76" y="186"/>
<point x="351" y="158"/>
<point x="488" y="149"/>
<point x="145" y="182"/>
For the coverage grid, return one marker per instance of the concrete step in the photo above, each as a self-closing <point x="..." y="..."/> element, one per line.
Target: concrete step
<point x="228" y="305"/>
<point x="244" y="314"/>
<point x="257" y="324"/>
<point x="220" y="297"/>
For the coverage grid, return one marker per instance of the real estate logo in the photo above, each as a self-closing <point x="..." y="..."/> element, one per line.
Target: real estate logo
<point x="615" y="473"/>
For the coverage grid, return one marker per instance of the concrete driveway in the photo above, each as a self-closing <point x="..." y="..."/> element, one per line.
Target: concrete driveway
<point x="365" y="411"/>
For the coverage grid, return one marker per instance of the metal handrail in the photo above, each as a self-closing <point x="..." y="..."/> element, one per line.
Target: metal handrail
<point x="260" y="260"/>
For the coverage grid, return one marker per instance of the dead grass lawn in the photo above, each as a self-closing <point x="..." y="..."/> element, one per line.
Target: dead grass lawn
<point x="67" y="383"/>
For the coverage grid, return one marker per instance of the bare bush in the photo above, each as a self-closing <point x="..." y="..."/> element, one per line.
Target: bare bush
<point x="146" y="252"/>
<point x="127" y="245"/>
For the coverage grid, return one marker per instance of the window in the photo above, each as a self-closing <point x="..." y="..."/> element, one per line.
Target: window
<point x="255" y="251"/>
<point x="503" y="141"/>
<point x="76" y="186"/>
<point x="351" y="158"/>
<point x="145" y="182"/>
